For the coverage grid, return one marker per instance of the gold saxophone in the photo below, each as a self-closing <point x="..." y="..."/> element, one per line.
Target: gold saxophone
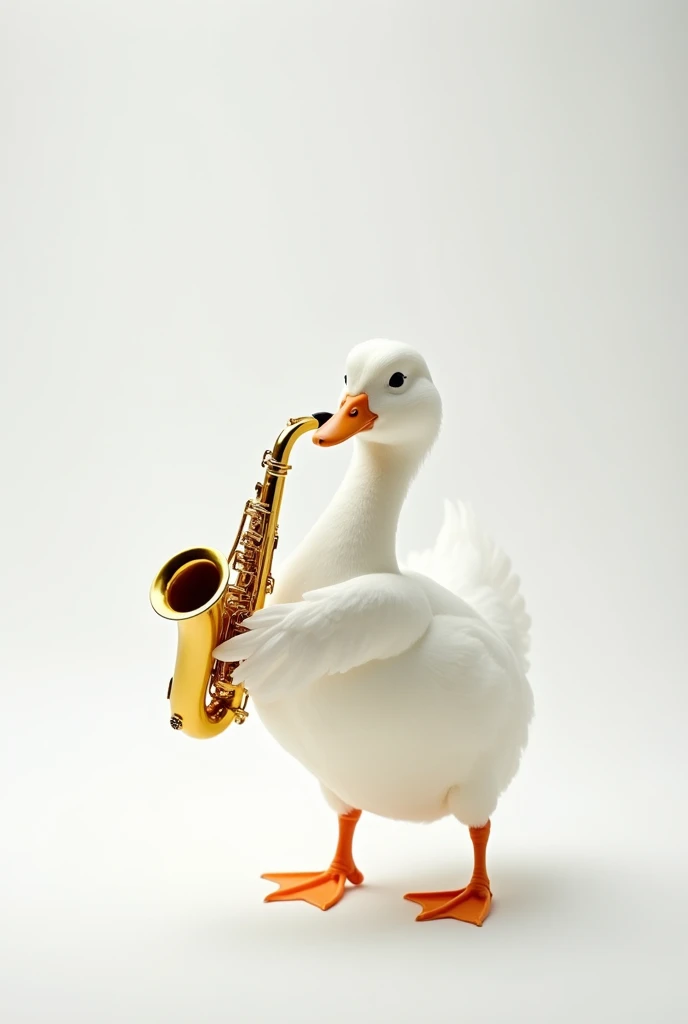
<point x="209" y="596"/>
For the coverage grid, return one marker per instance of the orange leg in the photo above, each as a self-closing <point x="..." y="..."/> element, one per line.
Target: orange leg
<point x="471" y="904"/>
<point x="325" y="888"/>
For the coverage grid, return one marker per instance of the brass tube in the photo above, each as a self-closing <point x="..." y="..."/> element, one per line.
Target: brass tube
<point x="208" y="596"/>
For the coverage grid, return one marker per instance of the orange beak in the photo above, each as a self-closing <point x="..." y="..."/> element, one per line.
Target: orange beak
<point x="352" y="416"/>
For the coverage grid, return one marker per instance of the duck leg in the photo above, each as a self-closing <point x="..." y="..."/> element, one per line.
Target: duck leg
<point x="324" y="888"/>
<point x="471" y="904"/>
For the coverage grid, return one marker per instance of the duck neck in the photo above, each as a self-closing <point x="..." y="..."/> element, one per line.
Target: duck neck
<point x="357" y="532"/>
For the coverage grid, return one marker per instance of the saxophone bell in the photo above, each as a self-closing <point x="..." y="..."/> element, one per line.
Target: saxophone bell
<point x="189" y="583"/>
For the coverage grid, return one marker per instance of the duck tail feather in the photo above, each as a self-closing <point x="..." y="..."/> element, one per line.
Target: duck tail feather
<point x="467" y="561"/>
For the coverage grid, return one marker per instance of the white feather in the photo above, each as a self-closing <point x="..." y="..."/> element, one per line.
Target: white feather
<point x="334" y="629"/>
<point x="465" y="560"/>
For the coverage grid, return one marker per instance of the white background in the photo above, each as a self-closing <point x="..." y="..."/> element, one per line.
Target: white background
<point x="204" y="205"/>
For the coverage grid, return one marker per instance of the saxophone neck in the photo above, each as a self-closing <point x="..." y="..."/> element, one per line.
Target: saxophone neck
<point x="281" y="450"/>
<point x="269" y="497"/>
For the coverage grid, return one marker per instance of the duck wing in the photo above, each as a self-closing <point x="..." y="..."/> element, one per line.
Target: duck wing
<point x="334" y="629"/>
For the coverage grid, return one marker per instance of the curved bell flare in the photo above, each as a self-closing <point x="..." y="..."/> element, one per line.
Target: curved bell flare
<point x="189" y="583"/>
<point x="189" y="590"/>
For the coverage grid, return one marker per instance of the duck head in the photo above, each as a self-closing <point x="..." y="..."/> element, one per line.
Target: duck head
<point x="389" y="399"/>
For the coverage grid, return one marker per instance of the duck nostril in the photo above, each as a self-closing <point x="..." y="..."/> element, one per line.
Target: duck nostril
<point x="353" y="412"/>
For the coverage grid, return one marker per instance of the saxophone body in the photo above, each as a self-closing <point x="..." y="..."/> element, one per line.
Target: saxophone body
<point x="209" y="595"/>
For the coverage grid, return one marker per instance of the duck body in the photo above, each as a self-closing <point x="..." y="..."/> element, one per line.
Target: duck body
<point x="446" y="714"/>
<point x="403" y="691"/>
<point x="391" y="740"/>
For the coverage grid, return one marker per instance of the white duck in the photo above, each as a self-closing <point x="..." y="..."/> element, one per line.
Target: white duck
<point x="404" y="694"/>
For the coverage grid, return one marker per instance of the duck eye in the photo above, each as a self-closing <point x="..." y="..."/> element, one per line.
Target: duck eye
<point x="345" y="380"/>
<point x="396" y="380"/>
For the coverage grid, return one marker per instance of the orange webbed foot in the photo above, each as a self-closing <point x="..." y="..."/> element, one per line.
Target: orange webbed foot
<point x="471" y="904"/>
<point x="321" y="889"/>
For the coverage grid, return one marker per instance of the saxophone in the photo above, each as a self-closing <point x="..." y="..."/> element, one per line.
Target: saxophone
<point x="209" y="596"/>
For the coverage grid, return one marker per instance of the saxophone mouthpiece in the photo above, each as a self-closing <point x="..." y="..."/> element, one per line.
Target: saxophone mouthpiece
<point x="322" y="417"/>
